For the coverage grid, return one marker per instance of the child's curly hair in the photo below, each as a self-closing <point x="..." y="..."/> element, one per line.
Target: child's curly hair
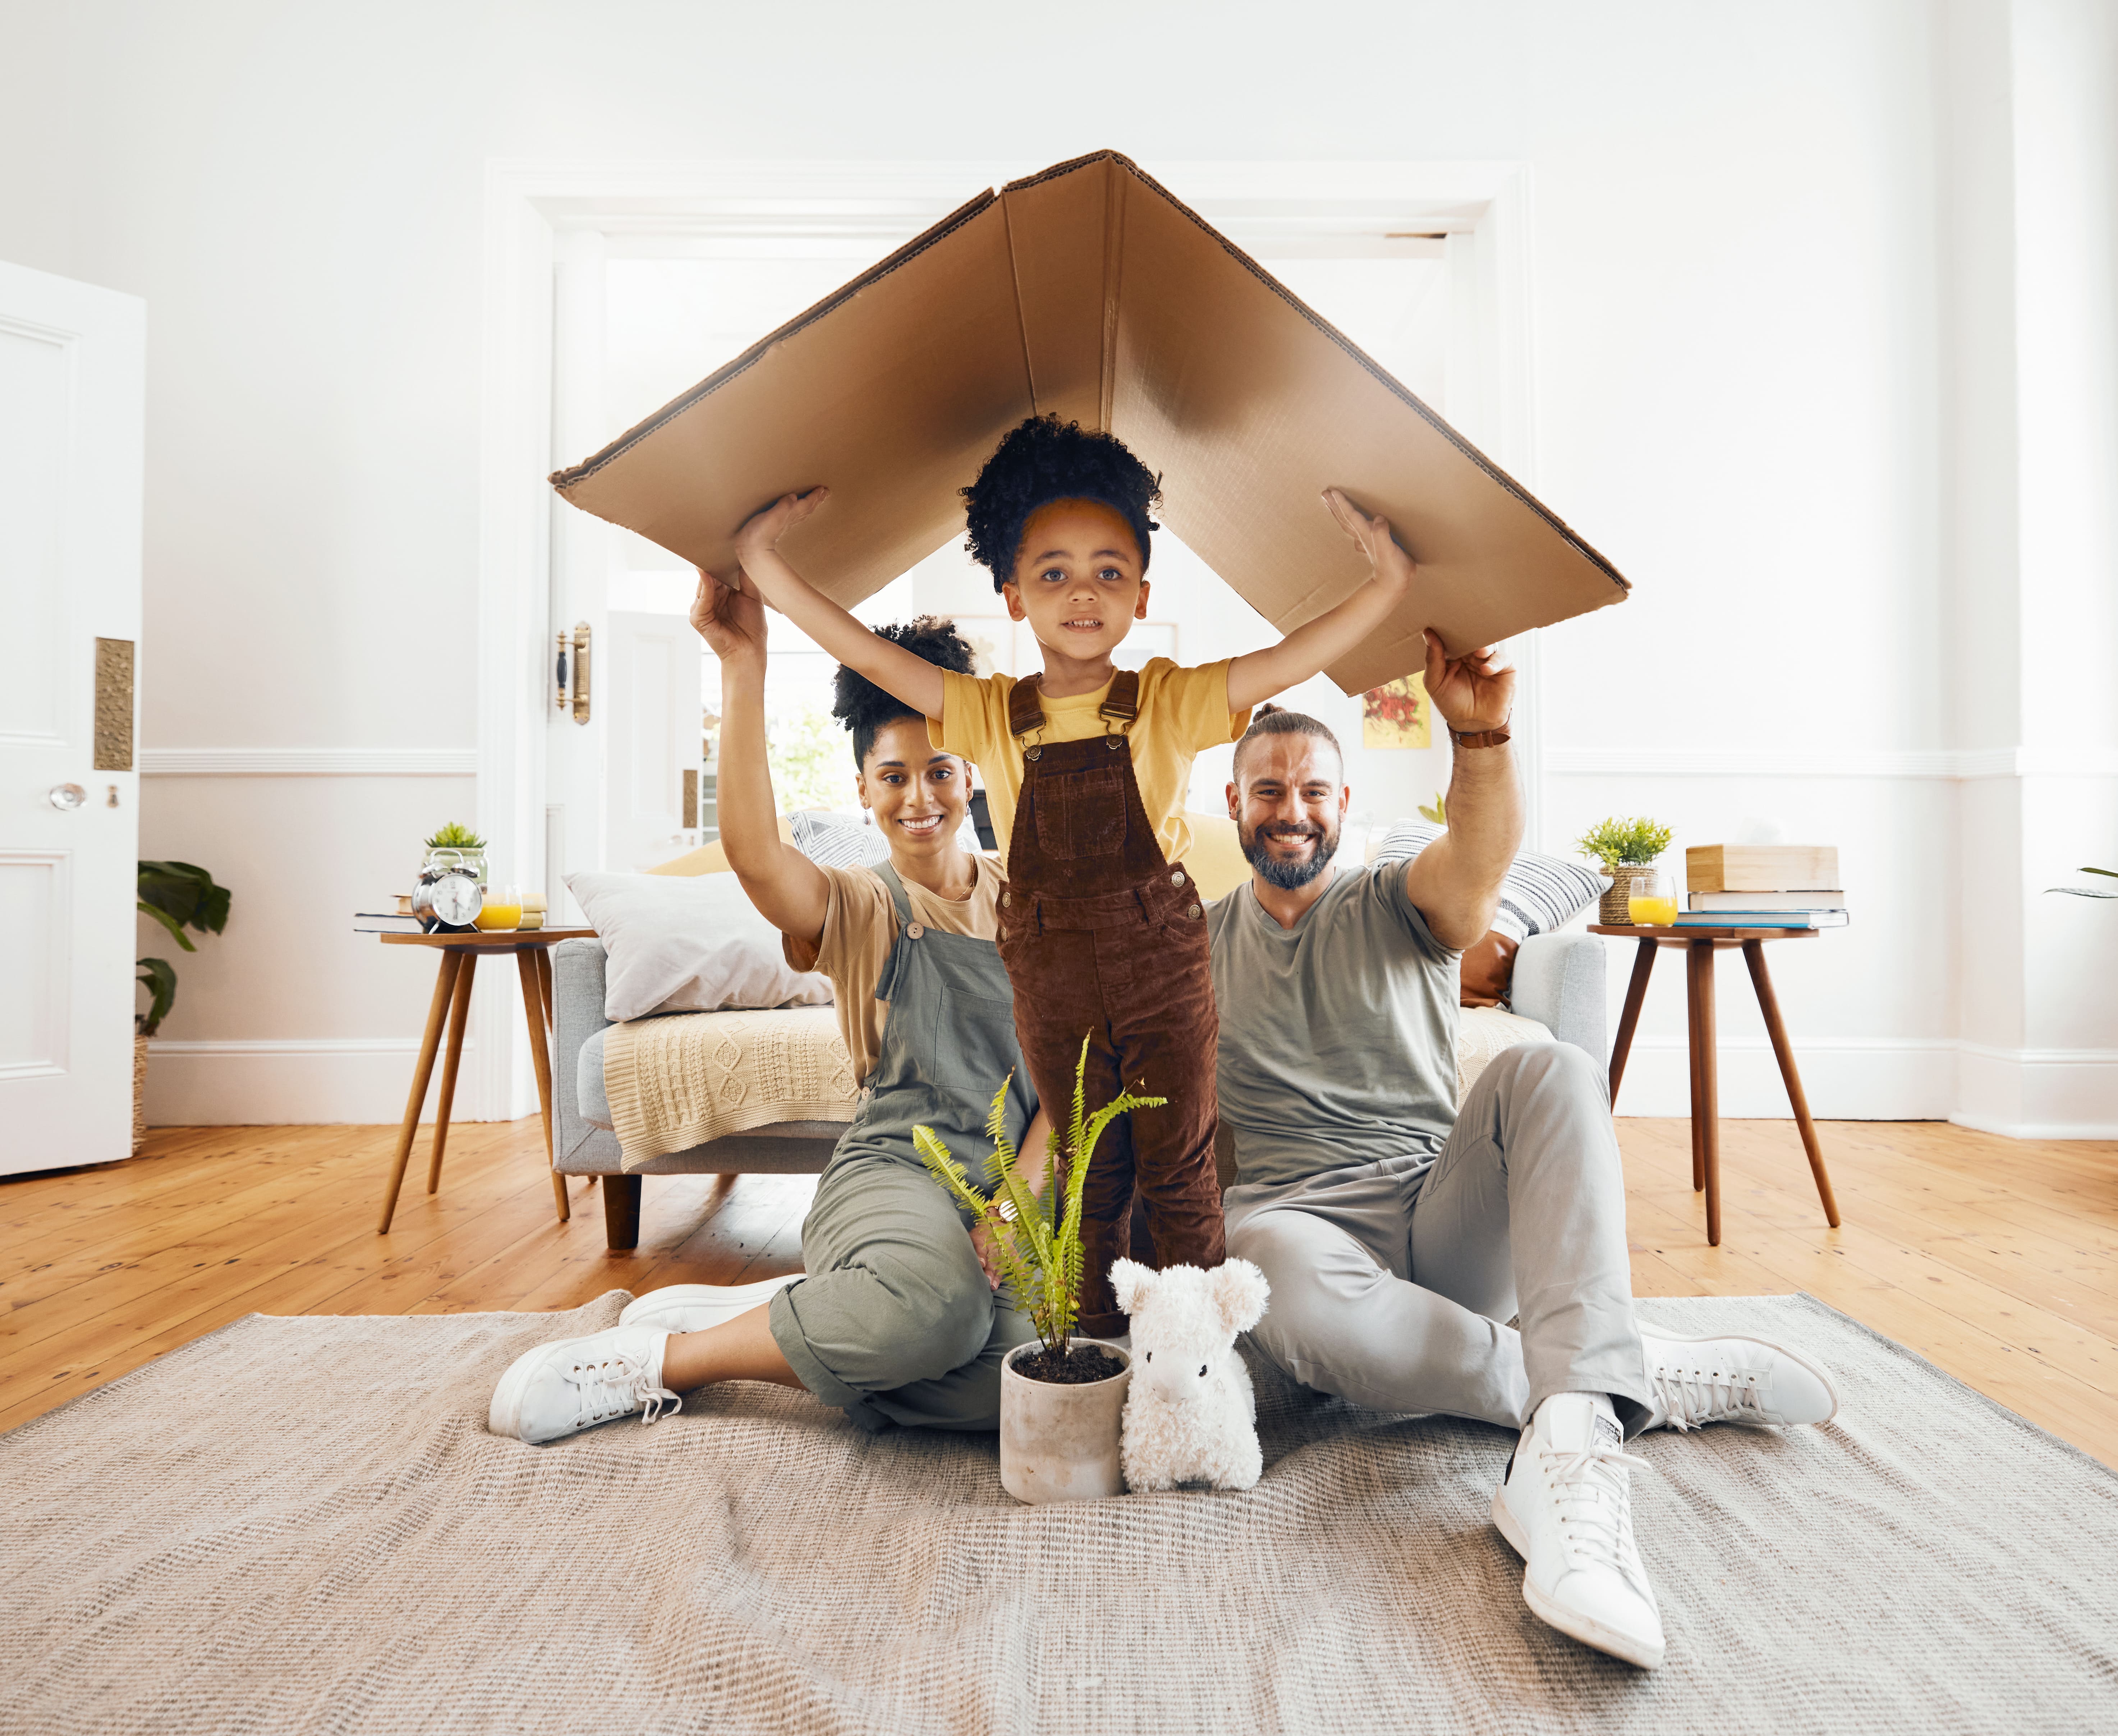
<point x="1043" y="459"/>
<point x="865" y="708"/>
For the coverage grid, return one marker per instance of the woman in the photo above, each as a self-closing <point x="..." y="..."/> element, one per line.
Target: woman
<point x="898" y="1318"/>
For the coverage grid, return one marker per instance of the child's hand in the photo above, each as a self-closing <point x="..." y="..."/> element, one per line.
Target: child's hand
<point x="1392" y="566"/>
<point x="762" y="535"/>
<point x="730" y="619"/>
<point x="1473" y="693"/>
<point x="983" y="1235"/>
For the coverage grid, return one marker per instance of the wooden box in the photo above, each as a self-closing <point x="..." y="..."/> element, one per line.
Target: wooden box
<point x="1761" y="868"/>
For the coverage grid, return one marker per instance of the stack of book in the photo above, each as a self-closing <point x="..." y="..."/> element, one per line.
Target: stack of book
<point x="1762" y="886"/>
<point x="402" y="921"/>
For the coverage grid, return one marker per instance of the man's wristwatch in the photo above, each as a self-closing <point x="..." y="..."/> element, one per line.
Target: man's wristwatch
<point x="1480" y="738"/>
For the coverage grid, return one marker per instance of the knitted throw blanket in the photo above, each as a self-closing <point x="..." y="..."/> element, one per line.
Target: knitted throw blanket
<point x="678" y="1081"/>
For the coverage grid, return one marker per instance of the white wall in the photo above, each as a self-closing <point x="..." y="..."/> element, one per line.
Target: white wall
<point x="1768" y="337"/>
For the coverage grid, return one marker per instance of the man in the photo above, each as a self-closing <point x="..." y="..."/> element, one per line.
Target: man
<point x="1399" y="1231"/>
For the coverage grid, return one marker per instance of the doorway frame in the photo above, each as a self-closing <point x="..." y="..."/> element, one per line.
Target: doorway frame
<point x="531" y="206"/>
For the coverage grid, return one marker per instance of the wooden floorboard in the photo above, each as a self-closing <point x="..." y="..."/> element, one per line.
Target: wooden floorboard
<point x="1996" y="1258"/>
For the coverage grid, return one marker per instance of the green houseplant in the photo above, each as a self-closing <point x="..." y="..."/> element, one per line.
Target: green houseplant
<point x="1621" y="843"/>
<point x="1037" y="1233"/>
<point x="2088" y="892"/>
<point x="178" y="895"/>
<point x="1061" y="1406"/>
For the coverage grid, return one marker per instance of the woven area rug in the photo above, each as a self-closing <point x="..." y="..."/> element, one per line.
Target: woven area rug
<point x="300" y="1524"/>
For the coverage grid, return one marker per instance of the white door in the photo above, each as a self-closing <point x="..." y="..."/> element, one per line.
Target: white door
<point x="71" y="414"/>
<point x="651" y="679"/>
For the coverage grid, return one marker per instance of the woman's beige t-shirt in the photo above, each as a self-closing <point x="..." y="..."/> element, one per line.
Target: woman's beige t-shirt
<point x="860" y="927"/>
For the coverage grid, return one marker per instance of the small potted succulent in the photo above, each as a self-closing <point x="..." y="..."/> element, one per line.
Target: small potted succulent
<point x="1061" y="1400"/>
<point x="1621" y="845"/>
<point x="178" y="895"/>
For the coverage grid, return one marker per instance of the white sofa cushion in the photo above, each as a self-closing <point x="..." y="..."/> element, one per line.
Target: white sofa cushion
<point x="687" y="944"/>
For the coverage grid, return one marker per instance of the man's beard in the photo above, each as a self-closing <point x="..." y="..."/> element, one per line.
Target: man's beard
<point x="1289" y="877"/>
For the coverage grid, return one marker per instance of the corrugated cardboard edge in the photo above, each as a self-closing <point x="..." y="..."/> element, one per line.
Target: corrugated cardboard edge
<point x="563" y="479"/>
<point x="1367" y="362"/>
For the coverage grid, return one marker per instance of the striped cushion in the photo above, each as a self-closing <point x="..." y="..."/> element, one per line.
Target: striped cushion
<point x="1540" y="894"/>
<point x="832" y="840"/>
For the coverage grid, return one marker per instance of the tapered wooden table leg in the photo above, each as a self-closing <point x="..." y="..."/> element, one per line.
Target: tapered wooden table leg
<point x="1706" y="1108"/>
<point x="540" y="1057"/>
<point x="1691" y="1061"/>
<point x="543" y="957"/>
<point x="451" y="1058"/>
<point x="1636" y="994"/>
<point x="445" y="983"/>
<point x="1754" y="955"/>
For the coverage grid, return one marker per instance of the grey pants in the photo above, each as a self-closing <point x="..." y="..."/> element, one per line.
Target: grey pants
<point x="894" y="1321"/>
<point x="1391" y="1281"/>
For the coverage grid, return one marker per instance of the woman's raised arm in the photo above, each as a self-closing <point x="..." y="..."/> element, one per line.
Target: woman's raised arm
<point x="789" y="891"/>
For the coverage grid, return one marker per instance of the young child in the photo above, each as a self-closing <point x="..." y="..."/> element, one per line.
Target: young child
<point x="1085" y="767"/>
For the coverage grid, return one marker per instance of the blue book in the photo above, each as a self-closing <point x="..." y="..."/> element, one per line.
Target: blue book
<point x="1761" y="919"/>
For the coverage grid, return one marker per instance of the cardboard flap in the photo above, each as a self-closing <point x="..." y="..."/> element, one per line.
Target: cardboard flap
<point x="1089" y="292"/>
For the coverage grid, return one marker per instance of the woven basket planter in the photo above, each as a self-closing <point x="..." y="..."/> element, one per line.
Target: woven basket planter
<point x="139" y="1094"/>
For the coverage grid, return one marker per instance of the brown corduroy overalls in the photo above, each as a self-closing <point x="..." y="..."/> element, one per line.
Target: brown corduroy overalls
<point x="1104" y="938"/>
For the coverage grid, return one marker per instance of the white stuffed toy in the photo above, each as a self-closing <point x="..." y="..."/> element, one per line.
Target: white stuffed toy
<point x="1190" y="1415"/>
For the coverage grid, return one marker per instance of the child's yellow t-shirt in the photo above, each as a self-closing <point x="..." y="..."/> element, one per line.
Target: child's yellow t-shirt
<point x="1181" y="712"/>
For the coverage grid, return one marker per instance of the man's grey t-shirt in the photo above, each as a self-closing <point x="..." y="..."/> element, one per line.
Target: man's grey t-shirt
<point x="1338" y="1036"/>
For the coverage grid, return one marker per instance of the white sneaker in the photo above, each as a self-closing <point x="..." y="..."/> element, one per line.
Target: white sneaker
<point x="1733" y="1380"/>
<point x="560" y="1389"/>
<point x="1565" y="1507"/>
<point x="692" y="1308"/>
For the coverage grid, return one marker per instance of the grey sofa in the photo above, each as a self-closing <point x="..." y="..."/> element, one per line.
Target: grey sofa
<point x="1558" y="981"/>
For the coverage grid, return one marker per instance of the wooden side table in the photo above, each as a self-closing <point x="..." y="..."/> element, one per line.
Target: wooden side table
<point x="1700" y="944"/>
<point x="459" y="956"/>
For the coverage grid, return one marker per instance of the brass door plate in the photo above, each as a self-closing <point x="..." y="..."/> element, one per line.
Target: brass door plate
<point x="113" y="704"/>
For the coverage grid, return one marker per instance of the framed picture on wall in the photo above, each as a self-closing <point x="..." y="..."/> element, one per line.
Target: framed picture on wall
<point x="1397" y="715"/>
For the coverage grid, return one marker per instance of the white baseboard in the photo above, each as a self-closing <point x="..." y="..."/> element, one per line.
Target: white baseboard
<point x="1845" y="1078"/>
<point x="2096" y="1130"/>
<point x="357" y="1080"/>
<point x="2037" y="1093"/>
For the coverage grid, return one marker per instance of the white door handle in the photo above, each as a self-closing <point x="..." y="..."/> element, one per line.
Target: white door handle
<point x="66" y="797"/>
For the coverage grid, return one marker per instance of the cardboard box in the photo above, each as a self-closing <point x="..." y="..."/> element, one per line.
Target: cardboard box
<point x="1761" y="868"/>
<point x="1089" y="292"/>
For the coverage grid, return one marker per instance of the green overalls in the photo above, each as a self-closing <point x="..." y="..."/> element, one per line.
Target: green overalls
<point x="895" y="1321"/>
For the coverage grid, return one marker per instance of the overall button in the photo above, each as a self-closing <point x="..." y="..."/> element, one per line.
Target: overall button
<point x="913" y="931"/>
<point x="1193" y="911"/>
<point x="1114" y="742"/>
<point x="1176" y="878"/>
<point x="1033" y="753"/>
<point x="1005" y="899"/>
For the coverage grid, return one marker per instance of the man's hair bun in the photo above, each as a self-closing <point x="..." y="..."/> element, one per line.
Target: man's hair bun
<point x="1269" y="719"/>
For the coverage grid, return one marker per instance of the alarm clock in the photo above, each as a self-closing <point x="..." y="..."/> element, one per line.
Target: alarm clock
<point x="447" y="899"/>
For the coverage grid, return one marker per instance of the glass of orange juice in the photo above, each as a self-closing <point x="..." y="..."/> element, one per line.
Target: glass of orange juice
<point x="502" y="908"/>
<point x="1651" y="899"/>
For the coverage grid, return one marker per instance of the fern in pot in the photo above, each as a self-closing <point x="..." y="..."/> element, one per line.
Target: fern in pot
<point x="1061" y="1400"/>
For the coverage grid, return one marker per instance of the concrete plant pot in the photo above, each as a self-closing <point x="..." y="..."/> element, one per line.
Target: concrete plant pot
<point x="1059" y="1442"/>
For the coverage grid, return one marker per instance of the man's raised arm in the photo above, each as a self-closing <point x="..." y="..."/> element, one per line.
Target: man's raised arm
<point x="1456" y="881"/>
